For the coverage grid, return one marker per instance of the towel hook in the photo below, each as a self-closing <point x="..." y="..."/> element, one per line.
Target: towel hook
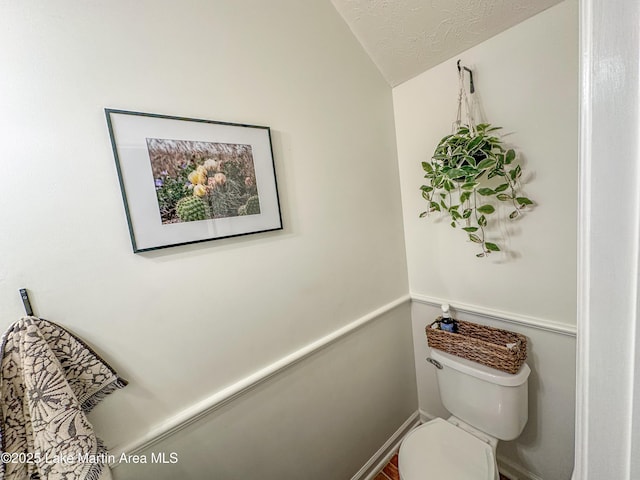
<point x="25" y="300"/>
<point x="472" y="89"/>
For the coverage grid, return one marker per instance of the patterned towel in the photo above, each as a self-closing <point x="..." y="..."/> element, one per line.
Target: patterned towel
<point x="49" y="380"/>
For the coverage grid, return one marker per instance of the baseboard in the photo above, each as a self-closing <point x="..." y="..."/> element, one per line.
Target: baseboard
<point x="384" y="453"/>
<point x="514" y="471"/>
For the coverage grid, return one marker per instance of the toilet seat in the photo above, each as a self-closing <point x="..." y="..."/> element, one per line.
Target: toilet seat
<point x="439" y="450"/>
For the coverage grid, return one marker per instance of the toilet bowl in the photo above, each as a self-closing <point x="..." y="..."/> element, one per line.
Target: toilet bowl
<point x="487" y="405"/>
<point x="441" y="450"/>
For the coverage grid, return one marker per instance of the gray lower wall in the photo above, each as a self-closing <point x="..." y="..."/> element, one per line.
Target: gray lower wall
<point x="323" y="418"/>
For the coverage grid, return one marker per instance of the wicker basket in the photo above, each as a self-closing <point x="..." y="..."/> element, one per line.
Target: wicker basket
<point x="489" y="346"/>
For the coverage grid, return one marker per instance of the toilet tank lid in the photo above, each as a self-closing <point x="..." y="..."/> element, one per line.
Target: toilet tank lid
<point x="480" y="371"/>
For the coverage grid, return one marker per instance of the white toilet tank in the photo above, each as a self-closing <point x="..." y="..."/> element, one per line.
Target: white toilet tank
<point x="487" y="399"/>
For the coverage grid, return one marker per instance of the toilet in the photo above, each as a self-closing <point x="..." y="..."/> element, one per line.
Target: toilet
<point x="486" y="405"/>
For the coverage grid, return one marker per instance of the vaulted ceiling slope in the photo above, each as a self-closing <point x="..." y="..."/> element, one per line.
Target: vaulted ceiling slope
<point x="406" y="37"/>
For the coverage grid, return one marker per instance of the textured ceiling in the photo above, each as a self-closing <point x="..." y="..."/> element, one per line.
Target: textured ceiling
<point x="406" y="37"/>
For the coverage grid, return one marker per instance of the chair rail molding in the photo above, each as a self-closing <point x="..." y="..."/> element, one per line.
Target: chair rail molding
<point x="509" y="317"/>
<point x="216" y="400"/>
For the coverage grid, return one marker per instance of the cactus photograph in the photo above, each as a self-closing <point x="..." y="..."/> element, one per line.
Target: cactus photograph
<point x="202" y="180"/>
<point x="187" y="180"/>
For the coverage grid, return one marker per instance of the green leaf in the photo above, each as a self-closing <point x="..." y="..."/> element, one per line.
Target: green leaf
<point x="510" y="157"/>
<point x="454" y="173"/>
<point x="479" y="255"/>
<point x="434" y="206"/>
<point x="492" y="246"/>
<point x="470" y="229"/>
<point x="464" y="196"/>
<point x="469" y="172"/>
<point x="469" y="185"/>
<point x="453" y="224"/>
<point x="467" y="213"/>
<point x="515" y="173"/>
<point x="426" y="188"/>
<point x="474" y="238"/>
<point x="502" y="187"/>
<point x="475" y="142"/>
<point x="426" y="166"/>
<point x="486" y="209"/>
<point x="496" y="146"/>
<point x="503" y="197"/>
<point x="486" y="191"/>
<point x="470" y="160"/>
<point x="524" y="201"/>
<point x="486" y="164"/>
<point x="424" y="214"/>
<point x="514" y="214"/>
<point x="482" y="221"/>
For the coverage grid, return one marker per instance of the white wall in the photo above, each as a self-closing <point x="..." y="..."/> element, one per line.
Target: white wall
<point x="527" y="78"/>
<point x="182" y="323"/>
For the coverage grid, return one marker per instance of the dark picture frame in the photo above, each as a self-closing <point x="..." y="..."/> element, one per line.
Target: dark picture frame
<point x="186" y="180"/>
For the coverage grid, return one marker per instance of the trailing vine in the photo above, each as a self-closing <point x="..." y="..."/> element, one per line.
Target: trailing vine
<point x="456" y="179"/>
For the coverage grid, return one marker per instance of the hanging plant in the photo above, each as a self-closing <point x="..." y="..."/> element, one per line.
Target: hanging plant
<point x="456" y="178"/>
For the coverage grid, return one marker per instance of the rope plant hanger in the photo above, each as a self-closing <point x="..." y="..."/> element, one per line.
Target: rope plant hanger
<point x="470" y="172"/>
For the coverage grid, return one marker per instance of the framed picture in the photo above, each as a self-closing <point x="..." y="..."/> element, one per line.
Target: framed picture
<point x="186" y="180"/>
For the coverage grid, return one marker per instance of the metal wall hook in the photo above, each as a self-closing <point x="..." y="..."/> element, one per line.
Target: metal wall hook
<point x="472" y="88"/>
<point x="25" y="300"/>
